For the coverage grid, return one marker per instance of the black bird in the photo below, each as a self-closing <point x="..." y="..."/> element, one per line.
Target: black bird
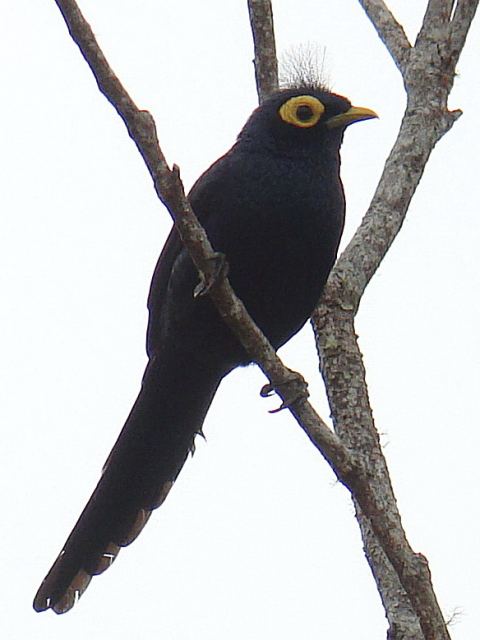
<point x="274" y="205"/>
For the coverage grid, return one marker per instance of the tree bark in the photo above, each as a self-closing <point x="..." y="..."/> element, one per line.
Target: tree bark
<point x="428" y="70"/>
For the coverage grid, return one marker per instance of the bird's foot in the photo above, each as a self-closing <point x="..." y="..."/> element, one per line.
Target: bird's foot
<point x="294" y="388"/>
<point x="218" y="271"/>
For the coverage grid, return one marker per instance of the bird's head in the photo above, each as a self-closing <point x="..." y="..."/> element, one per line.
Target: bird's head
<point x="302" y="118"/>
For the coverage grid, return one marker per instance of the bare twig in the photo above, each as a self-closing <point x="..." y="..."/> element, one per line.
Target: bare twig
<point x="266" y="67"/>
<point x="139" y="123"/>
<point x="389" y="30"/>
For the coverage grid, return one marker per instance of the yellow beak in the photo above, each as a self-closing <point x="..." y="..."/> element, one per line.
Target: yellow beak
<point x="354" y="114"/>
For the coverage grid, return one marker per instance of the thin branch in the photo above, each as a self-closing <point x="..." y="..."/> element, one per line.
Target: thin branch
<point x="169" y="188"/>
<point x="437" y="13"/>
<point x="385" y="216"/>
<point x="460" y="25"/>
<point x="402" y="620"/>
<point x="389" y="30"/>
<point x="441" y="38"/>
<point x="138" y="123"/>
<point x="266" y="66"/>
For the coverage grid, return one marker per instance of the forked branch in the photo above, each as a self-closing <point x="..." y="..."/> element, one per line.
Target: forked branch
<point x="428" y="71"/>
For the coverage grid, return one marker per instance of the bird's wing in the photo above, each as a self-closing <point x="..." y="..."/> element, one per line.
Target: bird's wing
<point x="204" y="206"/>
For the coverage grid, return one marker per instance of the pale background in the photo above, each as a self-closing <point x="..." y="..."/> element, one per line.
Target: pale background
<point x="256" y="540"/>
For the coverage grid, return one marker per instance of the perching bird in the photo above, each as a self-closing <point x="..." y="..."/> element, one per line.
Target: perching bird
<point x="274" y="205"/>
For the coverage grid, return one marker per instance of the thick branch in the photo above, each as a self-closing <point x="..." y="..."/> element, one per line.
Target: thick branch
<point x="428" y="73"/>
<point x="344" y="374"/>
<point x="266" y="67"/>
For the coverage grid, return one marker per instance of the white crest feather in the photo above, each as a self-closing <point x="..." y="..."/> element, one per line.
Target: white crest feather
<point x="304" y="65"/>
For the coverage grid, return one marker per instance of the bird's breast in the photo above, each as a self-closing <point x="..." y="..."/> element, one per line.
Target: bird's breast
<point x="283" y="233"/>
<point x="279" y="223"/>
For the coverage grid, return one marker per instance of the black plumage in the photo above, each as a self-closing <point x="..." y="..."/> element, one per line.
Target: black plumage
<point x="274" y="205"/>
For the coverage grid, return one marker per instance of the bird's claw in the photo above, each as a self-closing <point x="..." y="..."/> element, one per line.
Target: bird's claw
<point x="218" y="271"/>
<point x="267" y="390"/>
<point x="295" y="389"/>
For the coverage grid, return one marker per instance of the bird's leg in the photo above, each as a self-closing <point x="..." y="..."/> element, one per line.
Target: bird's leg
<point x="295" y="388"/>
<point x="218" y="270"/>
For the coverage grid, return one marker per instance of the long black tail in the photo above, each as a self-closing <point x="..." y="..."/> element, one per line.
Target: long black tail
<point x="139" y="472"/>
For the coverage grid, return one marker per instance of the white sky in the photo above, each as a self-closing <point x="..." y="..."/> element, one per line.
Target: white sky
<point x="256" y="540"/>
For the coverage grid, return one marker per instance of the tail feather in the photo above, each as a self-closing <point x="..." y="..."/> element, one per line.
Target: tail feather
<point x="137" y="477"/>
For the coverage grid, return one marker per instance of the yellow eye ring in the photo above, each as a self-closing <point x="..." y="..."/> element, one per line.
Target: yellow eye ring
<point x="302" y="111"/>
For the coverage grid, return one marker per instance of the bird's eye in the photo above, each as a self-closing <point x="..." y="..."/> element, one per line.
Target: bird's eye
<point x="302" y="111"/>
